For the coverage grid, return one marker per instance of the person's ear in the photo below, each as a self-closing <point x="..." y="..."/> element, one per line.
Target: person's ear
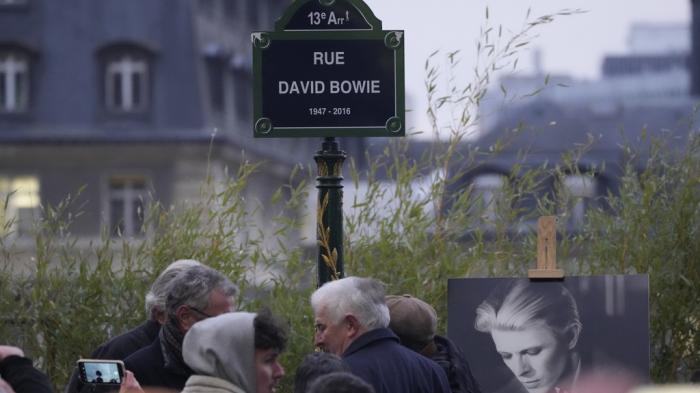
<point x="571" y="334"/>
<point x="185" y="318"/>
<point x="353" y="325"/>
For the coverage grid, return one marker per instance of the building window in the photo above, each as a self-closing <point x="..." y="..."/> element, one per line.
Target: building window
<point x="127" y="195"/>
<point x="14" y="82"/>
<point x="126" y="83"/>
<point x="217" y="94"/>
<point x="19" y="208"/>
<point x="231" y="9"/>
<point x="244" y="97"/>
<point x="209" y="7"/>
<point x="487" y="189"/>
<point x="253" y="12"/>
<point x="579" y="191"/>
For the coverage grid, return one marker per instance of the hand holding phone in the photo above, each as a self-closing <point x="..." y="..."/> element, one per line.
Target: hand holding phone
<point x="130" y="384"/>
<point x="101" y="371"/>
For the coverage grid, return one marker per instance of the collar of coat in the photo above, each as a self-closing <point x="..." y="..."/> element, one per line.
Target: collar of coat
<point x="370" y="338"/>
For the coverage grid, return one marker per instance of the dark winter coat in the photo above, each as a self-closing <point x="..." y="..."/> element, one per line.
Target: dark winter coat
<point x="19" y="372"/>
<point x="379" y="359"/>
<point x="455" y="364"/>
<point x="117" y="348"/>
<point x="148" y="366"/>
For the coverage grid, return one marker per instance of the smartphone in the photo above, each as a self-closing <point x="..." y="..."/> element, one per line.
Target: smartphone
<point x="101" y="371"/>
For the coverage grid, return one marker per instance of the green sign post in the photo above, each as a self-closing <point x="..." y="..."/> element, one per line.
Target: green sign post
<point x="328" y="70"/>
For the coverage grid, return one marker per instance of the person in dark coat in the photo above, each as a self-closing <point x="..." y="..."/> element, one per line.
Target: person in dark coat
<point x="119" y="347"/>
<point x="351" y="320"/>
<point x="197" y="293"/>
<point x="19" y="372"/>
<point x="445" y="353"/>
<point x="415" y="323"/>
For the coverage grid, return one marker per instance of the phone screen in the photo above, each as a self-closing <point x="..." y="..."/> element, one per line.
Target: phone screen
<point x="101" y="372"/>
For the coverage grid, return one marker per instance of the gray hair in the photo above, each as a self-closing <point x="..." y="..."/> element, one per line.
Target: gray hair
<point x="193" y="286"/>
<point x="361" y="297"/>
<point x="155" y="298"/>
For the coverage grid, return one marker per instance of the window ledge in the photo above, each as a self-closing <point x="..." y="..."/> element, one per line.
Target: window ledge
<point x="117" y="116"/>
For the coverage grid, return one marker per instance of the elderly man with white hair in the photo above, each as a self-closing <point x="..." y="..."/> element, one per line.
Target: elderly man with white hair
<point x="351" y="320"/>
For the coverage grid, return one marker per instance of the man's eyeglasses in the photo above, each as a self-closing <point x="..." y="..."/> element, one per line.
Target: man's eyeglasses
<point x="200" y="312"/>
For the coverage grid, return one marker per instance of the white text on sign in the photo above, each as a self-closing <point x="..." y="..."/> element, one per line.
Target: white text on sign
<point x="333" y="87"/>
<point x="329" y="58"/>
<point x="317" y="18"/>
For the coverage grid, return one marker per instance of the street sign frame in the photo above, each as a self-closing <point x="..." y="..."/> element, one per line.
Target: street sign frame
<point x="274" y="119"/>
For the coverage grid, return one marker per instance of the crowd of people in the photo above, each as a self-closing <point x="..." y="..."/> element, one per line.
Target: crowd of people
<point x="195" y="341"/>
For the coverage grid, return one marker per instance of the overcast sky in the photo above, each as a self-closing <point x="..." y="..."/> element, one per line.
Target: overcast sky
<point x="571" y="45"/>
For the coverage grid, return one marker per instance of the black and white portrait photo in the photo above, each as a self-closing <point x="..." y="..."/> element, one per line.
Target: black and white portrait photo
<point x="541" y="336"/>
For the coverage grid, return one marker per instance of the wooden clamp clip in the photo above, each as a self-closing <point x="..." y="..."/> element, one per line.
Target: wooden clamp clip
<point x="546" y="250"/>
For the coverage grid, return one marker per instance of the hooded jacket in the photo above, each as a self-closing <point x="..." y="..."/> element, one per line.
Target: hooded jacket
<point x="221" y="352"/>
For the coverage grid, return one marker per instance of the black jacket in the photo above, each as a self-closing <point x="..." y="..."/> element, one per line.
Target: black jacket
<point x="124" y="345"/>
<point x="452" y="360"/>
<point x="19" y="372"/>
<point x="117" y="348"/>
<point x="379" y="359"/>
<point x="148" y="366"/>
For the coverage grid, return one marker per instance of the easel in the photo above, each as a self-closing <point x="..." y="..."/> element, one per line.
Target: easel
<point x="546" y="251"/>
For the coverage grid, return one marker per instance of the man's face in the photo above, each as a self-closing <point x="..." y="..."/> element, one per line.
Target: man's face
<point x="535" y="355"/>
<point x="218" y="304"/>
<point x="329" y="336"/>
<point x="268" y="370"/>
